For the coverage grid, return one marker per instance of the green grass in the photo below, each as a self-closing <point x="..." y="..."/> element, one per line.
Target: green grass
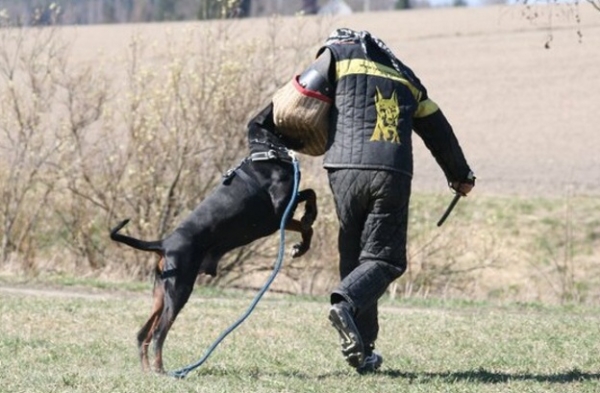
<point x="78" y="341"/>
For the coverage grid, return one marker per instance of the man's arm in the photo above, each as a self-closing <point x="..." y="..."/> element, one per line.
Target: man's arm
<point x="439" y="138"/>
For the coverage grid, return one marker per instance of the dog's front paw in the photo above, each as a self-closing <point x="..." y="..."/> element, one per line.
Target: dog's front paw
<point x="299" y="249"/>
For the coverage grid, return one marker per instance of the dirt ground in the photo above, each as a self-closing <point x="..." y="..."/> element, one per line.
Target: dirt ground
<point x="527" y="116"/>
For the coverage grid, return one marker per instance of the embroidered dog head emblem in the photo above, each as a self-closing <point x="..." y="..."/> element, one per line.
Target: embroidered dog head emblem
<point x="388" y="113"/>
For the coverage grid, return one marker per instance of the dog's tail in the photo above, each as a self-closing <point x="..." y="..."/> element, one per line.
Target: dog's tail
<point x="133" y="242"/>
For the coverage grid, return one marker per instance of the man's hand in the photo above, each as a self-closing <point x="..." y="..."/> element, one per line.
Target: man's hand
<point x="464" y="187"/>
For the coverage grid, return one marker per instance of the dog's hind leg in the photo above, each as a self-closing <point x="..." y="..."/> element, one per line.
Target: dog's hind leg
<point x="175" y="297"/>
<point x="160" y="334"/>
<point x="145" y="334"/>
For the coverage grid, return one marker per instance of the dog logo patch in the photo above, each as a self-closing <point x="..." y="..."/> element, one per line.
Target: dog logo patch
<point x="388" y="113"/>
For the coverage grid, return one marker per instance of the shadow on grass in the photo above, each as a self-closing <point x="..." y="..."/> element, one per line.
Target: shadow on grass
<point x="485" y="376"/>
<point x="478" y="376"/>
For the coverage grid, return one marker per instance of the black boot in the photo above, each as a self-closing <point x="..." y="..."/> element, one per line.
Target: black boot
<point x="341" y="317"/>
<point x="372" y="362"/>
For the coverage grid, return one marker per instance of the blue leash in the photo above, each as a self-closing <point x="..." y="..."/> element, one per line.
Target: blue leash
<point x="183" y="372"/>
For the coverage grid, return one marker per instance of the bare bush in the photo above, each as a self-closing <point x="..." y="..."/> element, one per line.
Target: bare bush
<point x="547" y="13"/>
<point x="28" y="63"/>
<point x="83" y="149"/>
<point x="445" y="263"/>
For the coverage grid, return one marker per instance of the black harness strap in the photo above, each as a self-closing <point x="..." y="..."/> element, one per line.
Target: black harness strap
<point x="271" y="154"/>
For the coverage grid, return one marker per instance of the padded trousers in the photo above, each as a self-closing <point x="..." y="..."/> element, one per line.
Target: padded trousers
<point x="372" y="208"/>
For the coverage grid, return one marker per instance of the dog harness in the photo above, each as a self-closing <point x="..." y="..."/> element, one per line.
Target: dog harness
<point x="284" y="155"/>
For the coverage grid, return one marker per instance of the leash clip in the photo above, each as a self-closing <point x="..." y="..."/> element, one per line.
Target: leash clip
<point x="292" y="155"/>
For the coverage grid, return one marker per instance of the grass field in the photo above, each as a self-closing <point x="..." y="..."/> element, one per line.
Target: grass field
<point x="82" y="340"/>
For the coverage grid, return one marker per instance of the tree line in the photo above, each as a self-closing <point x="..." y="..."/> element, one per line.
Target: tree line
<point x="44" y="12"/>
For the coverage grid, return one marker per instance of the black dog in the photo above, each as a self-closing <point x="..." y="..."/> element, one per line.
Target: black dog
<point x="248" y="205"/>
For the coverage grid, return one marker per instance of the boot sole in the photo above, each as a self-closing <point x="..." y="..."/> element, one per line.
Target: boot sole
<point x="352" y="345"/>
